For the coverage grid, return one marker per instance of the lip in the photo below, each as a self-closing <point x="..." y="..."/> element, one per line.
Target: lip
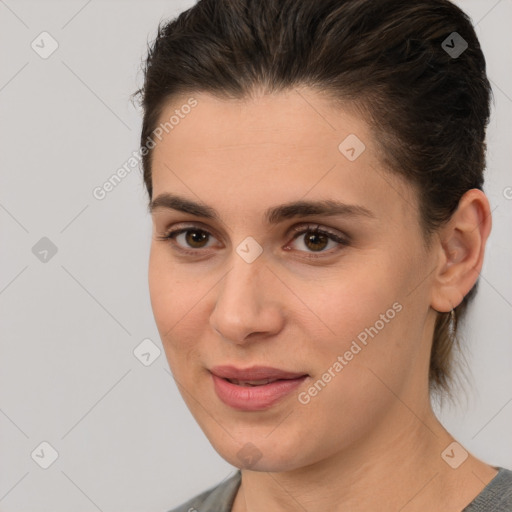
<point x="253" y="373"/>
<point x="254" y="398"/>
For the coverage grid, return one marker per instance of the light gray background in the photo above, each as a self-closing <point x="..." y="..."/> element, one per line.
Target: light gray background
<point x="68" y="375"/>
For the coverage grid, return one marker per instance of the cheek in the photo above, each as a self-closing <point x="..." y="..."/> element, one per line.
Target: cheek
<point x="162" y="290"/>
<point x="170" y="296"/>
<point x="351" y="299"/>
<point x="363" y="316"/>
<point x="178" y="300"/>
<point x="172" y="293"/>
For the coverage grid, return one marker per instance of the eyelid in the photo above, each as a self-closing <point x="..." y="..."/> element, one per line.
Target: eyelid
<point x="183" y="227"/>
<point x="309" y="227"/>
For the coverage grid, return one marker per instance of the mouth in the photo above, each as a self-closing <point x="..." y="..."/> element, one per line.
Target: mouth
<point x="252" y="382"/>
<point x="256" y="388"/>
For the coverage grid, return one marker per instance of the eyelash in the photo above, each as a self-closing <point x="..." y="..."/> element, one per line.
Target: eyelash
<point x="298" y="231"/>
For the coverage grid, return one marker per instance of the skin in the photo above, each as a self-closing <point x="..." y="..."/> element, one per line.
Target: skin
<point x="371" y="426"/>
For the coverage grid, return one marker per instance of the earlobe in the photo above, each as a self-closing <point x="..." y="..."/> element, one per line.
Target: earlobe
<point x="461" y="246"/>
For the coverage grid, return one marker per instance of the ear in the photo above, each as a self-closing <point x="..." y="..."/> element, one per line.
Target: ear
<point x="461" y="247"/>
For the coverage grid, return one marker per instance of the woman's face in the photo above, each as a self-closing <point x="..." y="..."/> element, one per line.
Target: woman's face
<point x="343" y="318"/>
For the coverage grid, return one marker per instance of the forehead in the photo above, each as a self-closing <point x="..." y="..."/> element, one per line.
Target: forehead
<point x="298" y="118"/>
<point x="270" y="149"/>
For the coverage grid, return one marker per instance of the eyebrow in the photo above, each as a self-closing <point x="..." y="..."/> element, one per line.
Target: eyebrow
<point x="273" y="215"/>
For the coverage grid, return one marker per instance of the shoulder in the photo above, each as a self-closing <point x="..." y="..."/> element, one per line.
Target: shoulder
<point x="496" y="495"/>
<point x="216" y="499"/>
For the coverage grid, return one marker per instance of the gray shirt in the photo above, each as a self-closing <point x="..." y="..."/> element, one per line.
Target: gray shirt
<point x="495" y="497"/>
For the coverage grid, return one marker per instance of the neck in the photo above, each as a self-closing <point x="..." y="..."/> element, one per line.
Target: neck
<point x="398" y="467"/>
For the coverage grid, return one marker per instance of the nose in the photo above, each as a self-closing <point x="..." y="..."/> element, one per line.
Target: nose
<point x="247" y="307"/>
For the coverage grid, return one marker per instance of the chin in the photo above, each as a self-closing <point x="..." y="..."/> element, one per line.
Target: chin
<point x="258" y="453"/>
<point x="273" y="463"/>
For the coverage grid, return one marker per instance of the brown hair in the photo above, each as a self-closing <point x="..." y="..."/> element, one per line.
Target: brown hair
<point x="427" y="108"/>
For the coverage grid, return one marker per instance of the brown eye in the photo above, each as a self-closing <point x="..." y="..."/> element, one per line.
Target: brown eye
<point x="315" y="240"/>
<point x="188" y="238"/>
<point x="196" y="238"/>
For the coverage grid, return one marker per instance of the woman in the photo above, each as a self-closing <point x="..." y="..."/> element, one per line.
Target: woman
<point x="315" y="174"/>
